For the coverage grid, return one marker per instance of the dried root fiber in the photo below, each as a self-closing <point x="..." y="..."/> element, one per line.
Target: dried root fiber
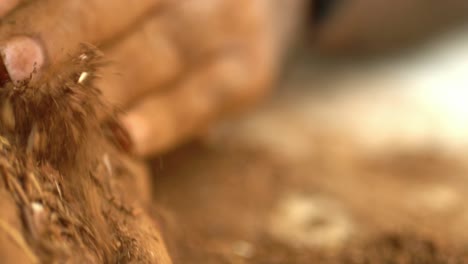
<point x="67" y="194"/>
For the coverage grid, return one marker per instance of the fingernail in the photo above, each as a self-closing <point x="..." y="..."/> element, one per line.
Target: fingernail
<point x="22" y="56"/>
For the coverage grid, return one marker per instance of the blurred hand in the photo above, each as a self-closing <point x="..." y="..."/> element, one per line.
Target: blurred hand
<point x="177" y="65"/>
<point x="187" y="65"/>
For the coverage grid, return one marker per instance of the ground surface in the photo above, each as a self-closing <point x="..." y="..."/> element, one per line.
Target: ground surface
<point x="289" y="184"/>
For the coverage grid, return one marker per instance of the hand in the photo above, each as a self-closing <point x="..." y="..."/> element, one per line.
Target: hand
<point x="188" y="65"/>
<point x="177" y="65"/>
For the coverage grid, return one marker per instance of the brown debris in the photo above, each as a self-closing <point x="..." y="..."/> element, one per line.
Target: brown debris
<point x="51" y="168"/>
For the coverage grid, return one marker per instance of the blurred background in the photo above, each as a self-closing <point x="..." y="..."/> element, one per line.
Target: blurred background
<point x="363" y="142"/>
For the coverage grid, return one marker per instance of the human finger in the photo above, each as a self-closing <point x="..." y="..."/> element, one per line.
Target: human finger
<point x="142" y="61"/>
<point x="49" y="30"/>
<point x="230" y="83"/>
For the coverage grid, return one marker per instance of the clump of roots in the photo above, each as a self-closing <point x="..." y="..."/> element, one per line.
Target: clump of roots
<point x="56" y="117"/>
<point x="62" y="181"/>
